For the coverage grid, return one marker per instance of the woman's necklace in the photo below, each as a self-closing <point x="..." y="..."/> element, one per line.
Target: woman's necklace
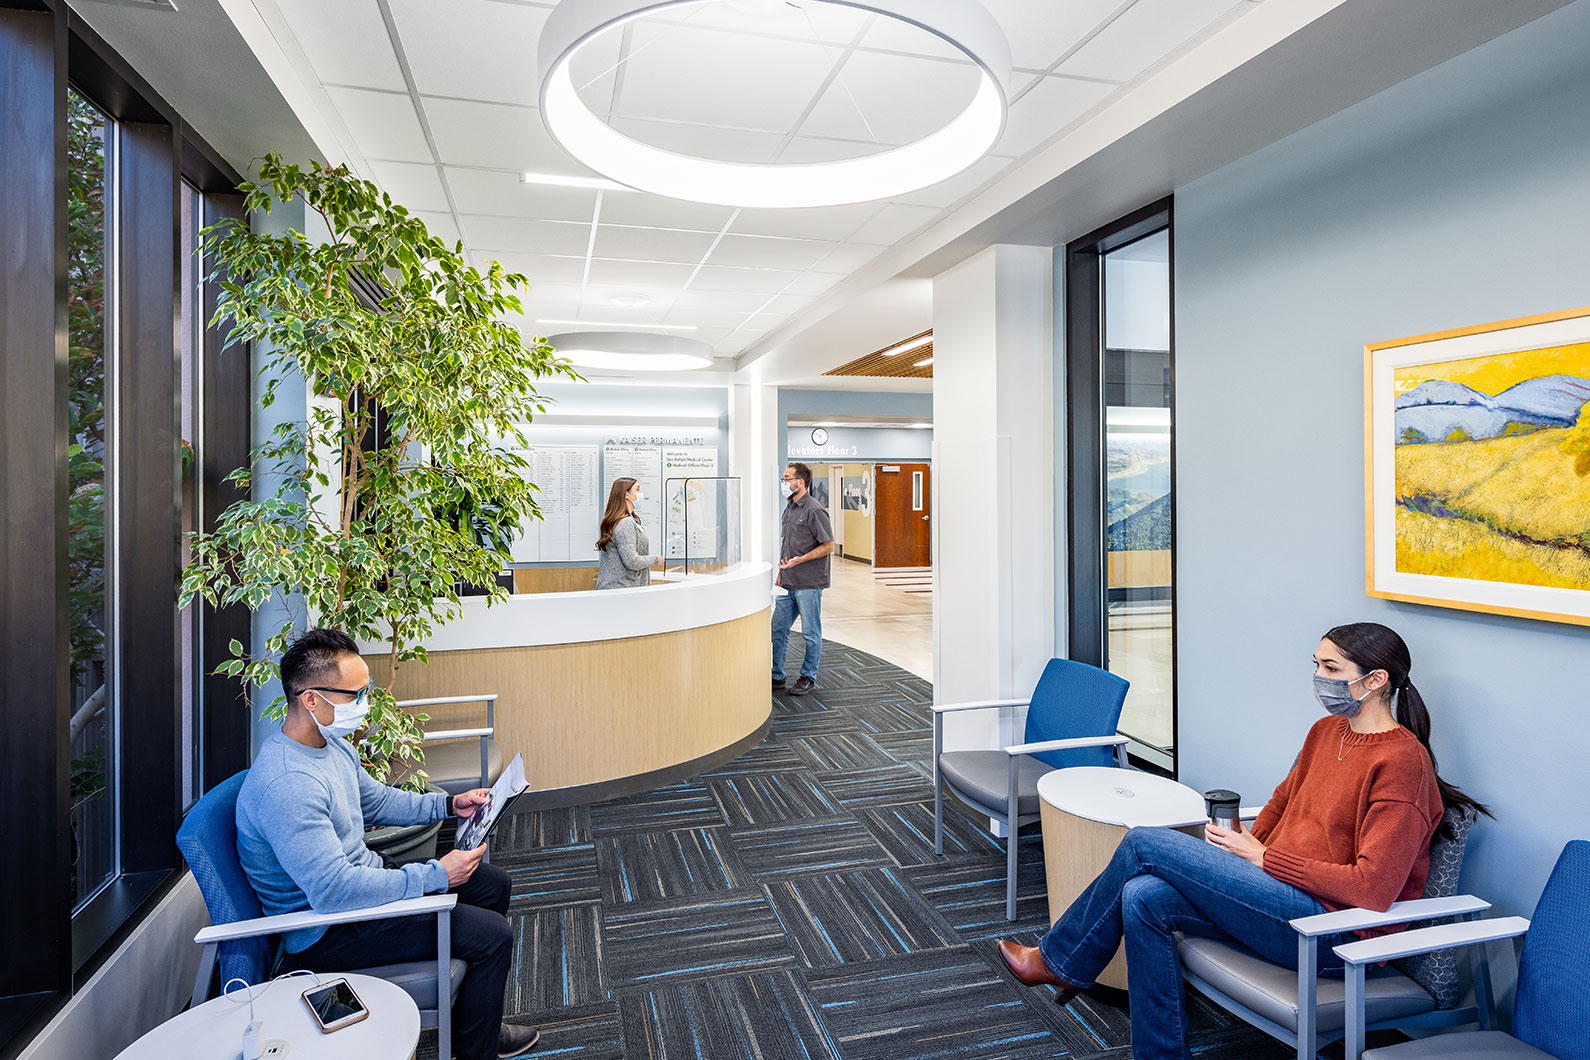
<point x="1343" y="748"/>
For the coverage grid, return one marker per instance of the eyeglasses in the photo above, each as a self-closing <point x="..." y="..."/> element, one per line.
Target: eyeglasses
<point x="343" y="691"/>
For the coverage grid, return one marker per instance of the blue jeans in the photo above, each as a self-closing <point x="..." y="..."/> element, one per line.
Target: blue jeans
<point x="1159" y="882"/>
<point x="808" y="604"/>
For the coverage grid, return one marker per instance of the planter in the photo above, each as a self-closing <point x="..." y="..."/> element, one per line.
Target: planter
<point x="403" y="843"/>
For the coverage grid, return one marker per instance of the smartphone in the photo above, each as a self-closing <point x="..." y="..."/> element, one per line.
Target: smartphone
<point x="335" y="1005"/>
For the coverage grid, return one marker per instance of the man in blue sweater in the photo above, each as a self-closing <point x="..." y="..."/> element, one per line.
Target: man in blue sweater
<point x="301" y="817"/>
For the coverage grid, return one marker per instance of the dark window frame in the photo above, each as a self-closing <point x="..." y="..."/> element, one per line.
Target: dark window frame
<point x="1087" y="596"/>
<point x="44" y="46"/>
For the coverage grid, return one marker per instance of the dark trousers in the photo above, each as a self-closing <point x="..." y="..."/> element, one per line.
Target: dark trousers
<point x="482" y="937"/>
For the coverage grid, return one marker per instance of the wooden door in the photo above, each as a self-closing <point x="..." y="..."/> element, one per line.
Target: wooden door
<point x="902" y="535"/>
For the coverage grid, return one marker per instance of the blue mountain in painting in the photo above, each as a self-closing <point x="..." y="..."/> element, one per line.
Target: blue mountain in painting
<point x="1438" y="410"/>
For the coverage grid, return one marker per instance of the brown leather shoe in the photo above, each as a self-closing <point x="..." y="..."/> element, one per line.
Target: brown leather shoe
<point x="1027" y="964"/>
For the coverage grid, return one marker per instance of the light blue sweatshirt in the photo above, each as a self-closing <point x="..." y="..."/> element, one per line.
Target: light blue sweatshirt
<point x="301" y="816"/>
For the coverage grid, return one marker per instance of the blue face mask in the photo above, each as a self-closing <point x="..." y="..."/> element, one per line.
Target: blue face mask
<point x="346" y="717"/>
<point x="1335" y="694"/>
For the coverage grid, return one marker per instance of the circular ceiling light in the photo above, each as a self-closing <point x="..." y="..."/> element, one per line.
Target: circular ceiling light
<point x="964" y="24"/>
<point x="632" y="351"/>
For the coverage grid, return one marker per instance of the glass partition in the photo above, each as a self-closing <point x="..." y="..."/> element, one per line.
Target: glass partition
<point x="701" y="524"/>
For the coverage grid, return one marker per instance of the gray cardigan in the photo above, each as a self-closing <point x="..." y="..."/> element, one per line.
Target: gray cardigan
<point x="627" y="559"/>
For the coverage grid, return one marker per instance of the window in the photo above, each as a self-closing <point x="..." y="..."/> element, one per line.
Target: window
<point x="1120" y="400"/>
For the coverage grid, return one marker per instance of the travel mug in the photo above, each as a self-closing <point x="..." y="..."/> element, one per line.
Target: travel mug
<point x="1223" y="807"/>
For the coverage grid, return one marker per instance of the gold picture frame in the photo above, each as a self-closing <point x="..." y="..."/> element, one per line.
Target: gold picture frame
<point x="1477" y="468"/>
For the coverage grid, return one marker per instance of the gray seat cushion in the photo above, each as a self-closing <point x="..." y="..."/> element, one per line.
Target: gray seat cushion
<point x="417" y="979"/>
<point x="983" y="777"/>
<point x="1475" y="1045"/>
<point x="1271" y="990"/>
<point x="454" y="765"/>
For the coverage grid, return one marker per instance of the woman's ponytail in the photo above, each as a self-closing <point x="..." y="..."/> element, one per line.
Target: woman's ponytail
<point x="1415" y="717"/>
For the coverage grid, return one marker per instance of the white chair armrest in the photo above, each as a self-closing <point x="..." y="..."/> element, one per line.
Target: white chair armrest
<point x="1066" y="745"/>
<point x="1399" y="913"/>
<point x="275" y="925"/>
<point x="1424" y="940"/>
<point x="455" y="734"/>
<point x="444" y="700"/>
<point x="1246" y="813"/>
<point x="983" y="704"/>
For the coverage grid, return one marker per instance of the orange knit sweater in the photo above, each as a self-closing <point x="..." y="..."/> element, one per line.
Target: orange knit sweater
<point x="1352" y="823"/>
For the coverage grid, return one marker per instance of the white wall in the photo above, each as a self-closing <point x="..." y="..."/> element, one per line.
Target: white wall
<point x="993" y="483"/>
<point x="144" y="983"/>
<point x="754" y="430"/>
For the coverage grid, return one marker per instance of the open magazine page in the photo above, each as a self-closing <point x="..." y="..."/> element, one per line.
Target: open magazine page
<point x="473" y="831"/>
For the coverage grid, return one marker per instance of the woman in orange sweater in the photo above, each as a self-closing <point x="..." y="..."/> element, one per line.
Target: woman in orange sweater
<point x="1350" y="825"/>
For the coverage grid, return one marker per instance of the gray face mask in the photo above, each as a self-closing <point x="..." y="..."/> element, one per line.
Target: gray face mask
<point x="1335" y="694"/>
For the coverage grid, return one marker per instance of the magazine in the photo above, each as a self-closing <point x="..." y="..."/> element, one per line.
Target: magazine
<point x="473" y="830"/>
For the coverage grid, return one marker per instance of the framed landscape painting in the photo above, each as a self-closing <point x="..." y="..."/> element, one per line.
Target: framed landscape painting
<point x="1477" y="453"/>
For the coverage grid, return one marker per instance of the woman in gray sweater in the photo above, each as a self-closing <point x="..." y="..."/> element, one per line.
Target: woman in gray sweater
<point x="626" y="556"/>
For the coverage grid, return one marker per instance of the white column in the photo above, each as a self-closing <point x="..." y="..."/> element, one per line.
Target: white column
<point x="993" y="486"/>
<point x="753" y="456"/>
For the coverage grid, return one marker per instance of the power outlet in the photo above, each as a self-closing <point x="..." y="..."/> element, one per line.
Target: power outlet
<point x="275" y="1048"/>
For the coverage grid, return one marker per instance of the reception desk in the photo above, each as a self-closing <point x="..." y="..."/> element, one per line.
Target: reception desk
<point x="608" y="693"/>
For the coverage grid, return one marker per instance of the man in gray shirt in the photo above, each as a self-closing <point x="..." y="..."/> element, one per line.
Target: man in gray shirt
<point x="807" y="540"/>
<point x="300" y="837"/>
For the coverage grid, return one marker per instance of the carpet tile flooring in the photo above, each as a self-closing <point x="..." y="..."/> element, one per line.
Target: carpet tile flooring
<point x="788" y="905"/>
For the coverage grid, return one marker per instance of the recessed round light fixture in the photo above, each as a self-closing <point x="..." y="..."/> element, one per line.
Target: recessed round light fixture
<point x="630" y="301"/>
<point x="964" y="24"/>
<point x="637" y="351"/>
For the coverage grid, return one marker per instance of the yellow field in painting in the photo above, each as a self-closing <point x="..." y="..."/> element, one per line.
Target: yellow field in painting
<point x="1522" y="483"/>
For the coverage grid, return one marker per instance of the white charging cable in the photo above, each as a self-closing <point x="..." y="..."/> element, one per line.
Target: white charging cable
<point x="253" y="1044"/>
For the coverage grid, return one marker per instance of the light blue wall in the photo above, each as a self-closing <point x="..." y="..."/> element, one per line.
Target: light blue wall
<point x="1458" y="197"/>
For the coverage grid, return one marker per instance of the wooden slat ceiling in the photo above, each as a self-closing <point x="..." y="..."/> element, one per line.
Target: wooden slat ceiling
<point x="900" y="366"/>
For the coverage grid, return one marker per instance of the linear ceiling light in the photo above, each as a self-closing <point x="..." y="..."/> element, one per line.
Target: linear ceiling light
<point x="618" y="324"/>
<point x="923" y="363"/>
<point x="559" y="181"/>
<point x="964" y="24"/>
<point x="908" y="345"/>
<point x="634" y="351"/>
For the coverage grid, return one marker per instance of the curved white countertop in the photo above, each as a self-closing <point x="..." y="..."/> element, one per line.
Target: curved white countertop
<point x="1126" y="797"/>
<point x="529" y="619"/>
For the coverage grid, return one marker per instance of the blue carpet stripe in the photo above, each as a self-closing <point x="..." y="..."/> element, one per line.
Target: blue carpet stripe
<point x="693" y="939"/>
<point x="767" y="798"/>
<point x="639" y="867"/>
<point x="840" y="751"/>
<point x="862" y="915"/>
<point x="830" y="844"/>
<point x="878" y="785"/>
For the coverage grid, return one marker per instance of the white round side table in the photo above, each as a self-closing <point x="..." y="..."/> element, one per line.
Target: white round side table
<point x="214" y="1030"/>
<point x="1085" y="811"/>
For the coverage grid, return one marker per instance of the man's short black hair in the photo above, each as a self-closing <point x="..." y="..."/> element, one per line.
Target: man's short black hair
<point x="803" y="473"/>
<point x="314" y="659"/>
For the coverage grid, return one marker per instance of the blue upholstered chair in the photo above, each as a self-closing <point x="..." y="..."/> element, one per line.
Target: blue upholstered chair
<point x="1551" y="1011"/>
<point x="1307" y="1012"/>
<point x="1071" y="720"/>
<point x="247" y="944"/>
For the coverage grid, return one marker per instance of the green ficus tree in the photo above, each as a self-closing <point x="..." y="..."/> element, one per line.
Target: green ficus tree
<point x="362" y="508"/>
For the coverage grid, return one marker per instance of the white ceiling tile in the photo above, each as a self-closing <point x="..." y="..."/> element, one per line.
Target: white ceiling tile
<point x="651" y="244"/>
<point x="543" y="268"/>
<point x="561" y="293"/>
<point x="808" y="149"/>
<point x="893" y="223"/>
<point x="476" y="49"/>
<point x="595" y="72"/>
<point x="946" y="192"/>
<point x="416" y="186"/>
<point x="807" y="22"/>
<point x="892" y="99"/>
<point x="694" y="300"/>
<point x="1047" y="108"/>
<point x="483" y="191"/>
<point x="785" y="305"/>
<point x="654" y="211"/>
<point x="891" y="34"/>
<point x="1038" y="32"/>
<point x="487" y="234"/>
<point x="702" y="141"/>
<point x="768" y="252"/>
<point x="725" y="319"/>
<point x="324" y="28"/>
<point x="813" y="283"/>
<point x="655" y="274"/>
<point x="496" y="136"/>
<point x="819" y="222"/>
<point x="756" y="281"/>
<point x="1142" y="36"/>
<point x="383" y="124"/>
<point x="848" y="257"/>
<point x="709" y="77"/>
<point x="440" y="225"/>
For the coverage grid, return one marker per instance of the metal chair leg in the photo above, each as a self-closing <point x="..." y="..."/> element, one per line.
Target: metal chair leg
<point x="444" y="985"/>
<point x="1012" y="832"/>
<point x="938" y="787"/>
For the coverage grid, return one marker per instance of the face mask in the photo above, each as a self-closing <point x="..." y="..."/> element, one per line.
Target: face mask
<point x="1336" y="695"/>
<point x="639" y="496"/>
<point x="346" y="717"/>
<point x="787" y="489"/>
